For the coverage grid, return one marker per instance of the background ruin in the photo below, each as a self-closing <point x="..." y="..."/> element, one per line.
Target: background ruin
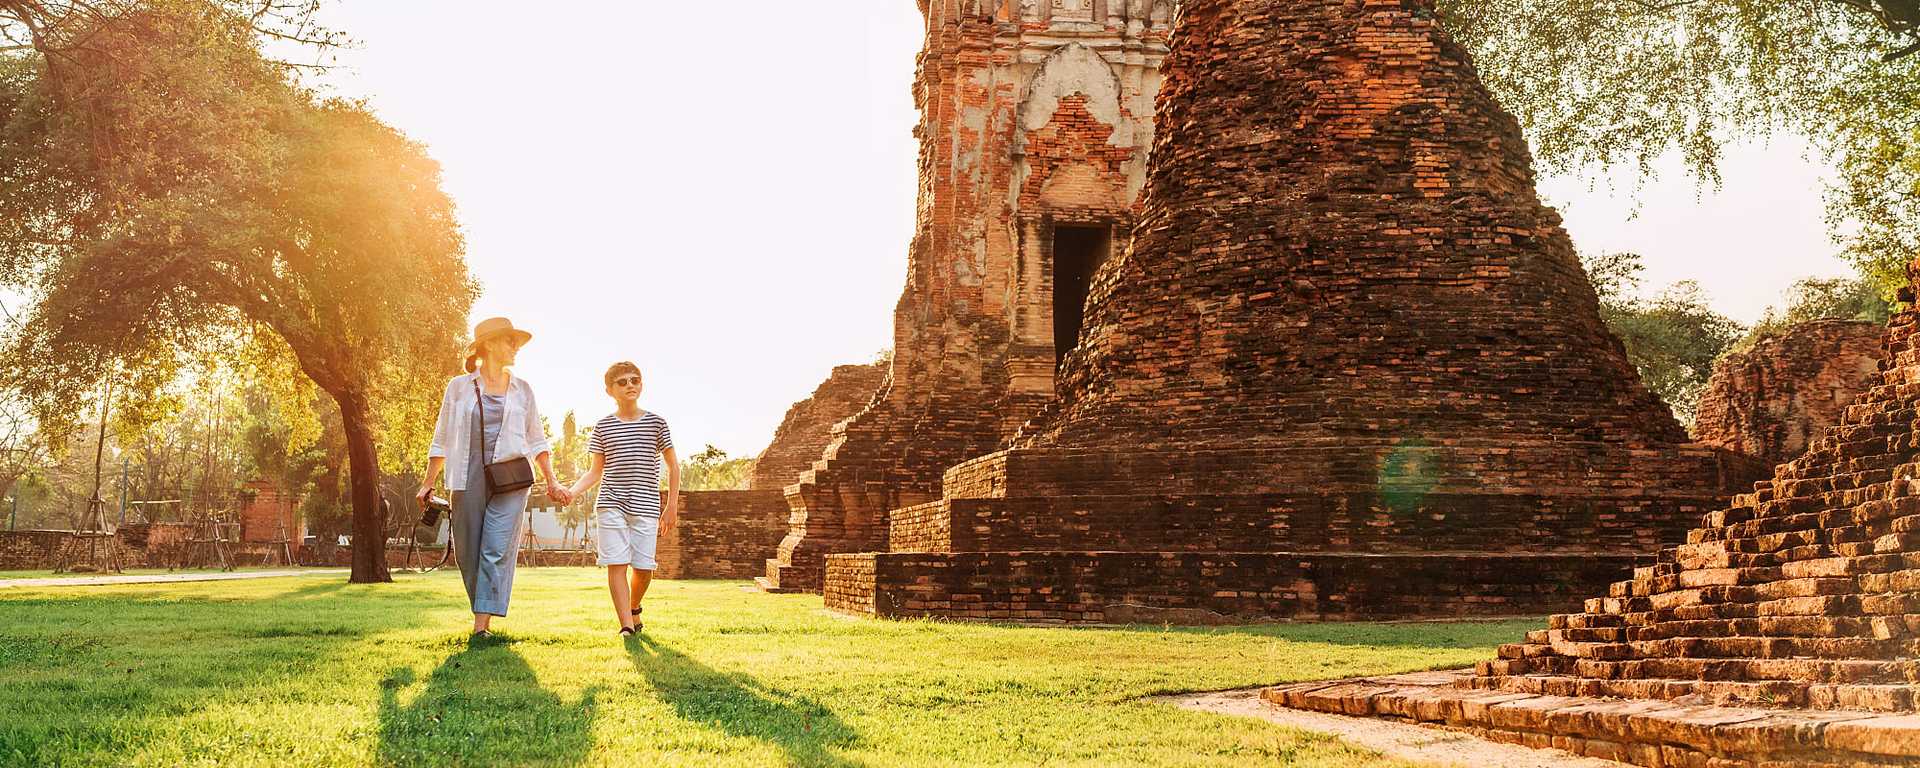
<point x="1036" y="119"/>
<point x="1770" y="401"/>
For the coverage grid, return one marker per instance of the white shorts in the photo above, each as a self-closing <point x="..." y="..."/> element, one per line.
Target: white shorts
<point x="627" y="540"/>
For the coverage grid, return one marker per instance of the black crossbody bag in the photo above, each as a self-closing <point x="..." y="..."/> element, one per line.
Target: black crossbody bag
<point x="506" y="476"/>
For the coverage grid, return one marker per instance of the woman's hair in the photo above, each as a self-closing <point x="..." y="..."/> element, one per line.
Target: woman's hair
<point x="478" y="351"/>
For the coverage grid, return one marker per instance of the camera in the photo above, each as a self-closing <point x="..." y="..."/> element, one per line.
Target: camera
<point x="434" y="508"/>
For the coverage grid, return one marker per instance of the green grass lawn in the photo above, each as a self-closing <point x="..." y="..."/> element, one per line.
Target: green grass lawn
<point x="306" y="671"/>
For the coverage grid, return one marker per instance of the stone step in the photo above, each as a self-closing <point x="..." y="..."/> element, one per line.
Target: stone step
<point x="1766" y="648"/>
<point x="1781" y="694"/>
<point x="1849" y="671"/>
<point x="1649" y="733"/>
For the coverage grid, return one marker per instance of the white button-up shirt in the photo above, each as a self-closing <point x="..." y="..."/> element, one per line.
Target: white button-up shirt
<point x="520" y="430"/>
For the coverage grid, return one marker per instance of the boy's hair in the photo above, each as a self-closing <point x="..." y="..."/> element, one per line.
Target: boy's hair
<point x="614" y="371"/>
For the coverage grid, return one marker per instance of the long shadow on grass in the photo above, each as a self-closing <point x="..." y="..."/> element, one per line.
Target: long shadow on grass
<point x="739" y="705"/>
<point x="107" y="673"/>
<point x="482" y="706"/>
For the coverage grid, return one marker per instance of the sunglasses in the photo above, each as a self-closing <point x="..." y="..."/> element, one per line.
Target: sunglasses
<point x="626" y="380"/>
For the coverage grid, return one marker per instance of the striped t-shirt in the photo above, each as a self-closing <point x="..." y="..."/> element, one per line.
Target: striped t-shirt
<point x="631" y="479"/>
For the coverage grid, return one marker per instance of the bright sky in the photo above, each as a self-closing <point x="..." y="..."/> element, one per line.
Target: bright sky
<point x="724" y="192"/>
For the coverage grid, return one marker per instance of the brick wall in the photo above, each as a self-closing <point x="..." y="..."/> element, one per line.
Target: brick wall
<point x="1405" y="468"/>
<point x="1356" y="522"/>
<point x="163" y="545"/>
<point x="723" y="535"/>
<point x="1205" y="588"/>
<point x="38" y="550"/>
<point x="1770" y="400"/>
<point x="271" y="516"/>
<point x="142" y="545"/>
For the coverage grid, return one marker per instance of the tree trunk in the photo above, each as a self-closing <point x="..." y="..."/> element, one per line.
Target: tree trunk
<point x="363" y="469"/>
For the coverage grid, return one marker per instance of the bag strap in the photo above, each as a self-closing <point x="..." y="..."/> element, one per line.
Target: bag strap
<point x="480" y="419"/>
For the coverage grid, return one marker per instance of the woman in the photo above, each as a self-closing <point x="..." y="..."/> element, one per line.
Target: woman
<point x="488" y="416"/>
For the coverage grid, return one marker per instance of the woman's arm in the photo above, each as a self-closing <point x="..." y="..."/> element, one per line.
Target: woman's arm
<point x="536" y="434"/>
<point x="437" y="450"/>
<point x="435" y="464"/>
<point x="545" y="462"/>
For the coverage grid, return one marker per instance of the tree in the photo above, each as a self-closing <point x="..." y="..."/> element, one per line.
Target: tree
<point x="1599" y="83"/>
<point x="1672" y="338"/>
<point x="711" y="470"/>
<point x="165" y="189"/>
<point x="20" y="446"/>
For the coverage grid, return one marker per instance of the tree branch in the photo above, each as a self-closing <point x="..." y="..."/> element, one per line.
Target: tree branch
<point x="1663" y="7"/>
<point x="1902" y="53"/>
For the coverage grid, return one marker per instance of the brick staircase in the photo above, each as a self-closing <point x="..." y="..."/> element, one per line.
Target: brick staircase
<point x="1785" y="631"/>
<point x="1803" y="593"/>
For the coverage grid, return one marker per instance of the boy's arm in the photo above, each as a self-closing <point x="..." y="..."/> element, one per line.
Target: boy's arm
<point x="592" y="476"/>
<point x="672" y="513"/>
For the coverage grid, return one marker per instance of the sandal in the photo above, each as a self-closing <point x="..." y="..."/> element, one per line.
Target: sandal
<point x="627" y="631"/>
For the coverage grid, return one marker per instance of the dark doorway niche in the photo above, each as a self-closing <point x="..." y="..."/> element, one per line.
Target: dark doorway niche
<point x="1077" y="252"/>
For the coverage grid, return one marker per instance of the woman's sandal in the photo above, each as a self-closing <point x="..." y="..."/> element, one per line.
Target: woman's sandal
<point x="627" y="631"/>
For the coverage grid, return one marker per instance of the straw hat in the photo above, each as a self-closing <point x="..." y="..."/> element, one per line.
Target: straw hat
<point x="495" y="326"/>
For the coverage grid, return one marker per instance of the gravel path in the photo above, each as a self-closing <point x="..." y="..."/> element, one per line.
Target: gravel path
<point x="164" y="578"/>
<point x="1413" y="743"/>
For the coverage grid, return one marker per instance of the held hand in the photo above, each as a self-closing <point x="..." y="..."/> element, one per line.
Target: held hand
<point x="421" y="497"/>
<point x="559" y="494"/>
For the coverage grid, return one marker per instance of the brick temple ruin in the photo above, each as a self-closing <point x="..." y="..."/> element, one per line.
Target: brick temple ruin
<point x="1036" y="120"/>
<point x="1349" y="367"/>
<point x="808" y="426"/>
<point x="1785" y="631"/>
<point x="1770" y="400"/>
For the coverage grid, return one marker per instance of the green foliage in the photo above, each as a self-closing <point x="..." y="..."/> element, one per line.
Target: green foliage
<point x="711" y="470"/>
<point x="168" y="195"/>
<point x="1816" y="298"/>
<point x="304" y="672"/>
<point x="1672" y="338"/>
<point x="1598" y="83"/>
<point x="571" y="460"/>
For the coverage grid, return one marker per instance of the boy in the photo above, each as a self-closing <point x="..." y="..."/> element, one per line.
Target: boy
<point x="627" y="448"/>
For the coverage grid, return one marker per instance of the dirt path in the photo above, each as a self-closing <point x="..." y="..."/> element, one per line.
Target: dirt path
<point x="164" y="578"/>
<point x="1407" y="742"/>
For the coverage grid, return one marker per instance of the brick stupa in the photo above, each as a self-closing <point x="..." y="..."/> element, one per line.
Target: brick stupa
<point x="1349" y="367"/>
<point x="1783" y="632"/>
